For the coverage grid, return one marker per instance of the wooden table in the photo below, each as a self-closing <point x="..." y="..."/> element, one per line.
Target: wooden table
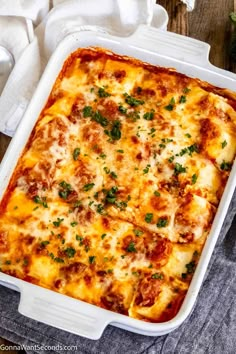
<point x="209" y="22"/>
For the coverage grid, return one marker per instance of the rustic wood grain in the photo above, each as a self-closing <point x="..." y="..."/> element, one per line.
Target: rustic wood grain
<point x="178" y="16"/>
<point x="210" y="23"/>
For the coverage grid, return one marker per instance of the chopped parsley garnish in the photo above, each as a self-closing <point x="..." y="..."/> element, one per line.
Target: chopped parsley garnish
<point x="189" y="150"/>
<point x="148" y="217"/>
<point x="8" y="262"/>
<point x="107" y="170"/>
<point x="186" y="90"/>
<point x="114" y="133"/>
<point x="132" y="101"/>
<point x="171" y="159"/>
<point x="157" y="194"/>
<point x="225" y="166"/>
<point x="188" y="135"/>
<point x="152" y="131"/>
<point x="92" y="259"/>
<point x="103" y="156"/>
<point x="58" y="260"/>
<point x="65" y="191"/>
<point x="111" y="195"/>
<point x="162" y="222"/>
<point x="138" y="232"/>
<point x="194" y="178"/>
<point x="76" y="153"/>
<point x="122" y="109"/>
<point x="102" y="93"/>
<point x="149" y="115"/>
<point x="162" y="146"/>
<point x="191" y="266"/>
<point x="87" y="111"/>
<point x="80" y="239"/>
<point x="44" y="243"/>
<point x="41" y="201"/>
<point x="88" y="187"/>
<point x="109" y="270"/>
<point x="70" y="252"/>
<point x="179" y="169"/>
<point x="74" y="223"/>
<point x="167" y="140"/>
<point x="223" y="144"/>
<point x="120" y="151"/>
<point x="182" y="99"/>
<point x="113" y="174"/>
<point x="98" y="117"/>
<point x="103" y="236"/>
<point x="58" y="222"/>
<point x="131" y="247"/>
<point x="100" y="209"/>
<point x="170" y="106"/>
<point x="146" y="169"/>
<point x="157" y="276"/>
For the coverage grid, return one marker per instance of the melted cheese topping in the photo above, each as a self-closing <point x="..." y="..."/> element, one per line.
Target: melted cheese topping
<point x="115" y="193"/>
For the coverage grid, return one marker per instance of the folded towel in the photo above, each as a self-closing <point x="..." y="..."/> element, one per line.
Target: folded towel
<point x="114" y="16"/>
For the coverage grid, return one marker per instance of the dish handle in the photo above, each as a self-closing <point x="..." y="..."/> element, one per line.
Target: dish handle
<point x="182" y="48"/>
<point x="63" y="312"/>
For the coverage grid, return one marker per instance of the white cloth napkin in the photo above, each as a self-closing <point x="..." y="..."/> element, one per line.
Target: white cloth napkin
<point x="119" y="17"/>
<point x="190" y="4"/>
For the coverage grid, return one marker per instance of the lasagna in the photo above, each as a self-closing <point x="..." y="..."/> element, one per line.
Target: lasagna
<point x="116" y="190"/>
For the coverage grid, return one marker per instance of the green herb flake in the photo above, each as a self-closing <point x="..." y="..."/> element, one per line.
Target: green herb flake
<point x="40" y="201"/>
<point x="186" y="90"/>
<point x="102" y="93"/>
<point x="149" y="115"/>
<point x="70" y="252"/>
<point x="138" y="232"/>
<point x="115" y="132"/>
<point x="171" y="159"/>
<point x="157" y="194"/>
<point x="87" y="111"/>
<point x="194" y="178"/>
<point x="162" y="222"/>
<point x="179" y="169"/>
<point x="74" y="223"/>
<point x="58" y="260"/>
<point x="132" y="101"/>
<point x="170" y="106"/>
<point x="44" y="243"/>
<point x="103" y="236"/>
<point x="120" y="151"/>
<point x="148" y="217"/>
<point x="113" y="175"/>
<point x="223" y="144"/>
<point x="58" y="222"/>
<point x="103" y="156"/>
<point x="182" y="99"/>
<point x="92" y="259"/>
<point x="106" y="169"/>
<point x="131" y="247"/>
<point x="8" y="262"/>
<point x="225" y="166"/>
<point x="157" y="276"/>
<point x="76" y="153"/>
<point x="98" y="117"/>
<point x="88" y="187"/>
<point x="188" y="135"/>
<point x="146" y="169"/>
<point x="122" y="109"/>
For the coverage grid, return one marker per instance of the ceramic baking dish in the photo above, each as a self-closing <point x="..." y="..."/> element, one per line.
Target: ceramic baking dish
<point x="167" y="49"/>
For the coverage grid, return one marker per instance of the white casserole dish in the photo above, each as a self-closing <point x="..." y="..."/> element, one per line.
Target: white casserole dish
<point x="188" y="56"/>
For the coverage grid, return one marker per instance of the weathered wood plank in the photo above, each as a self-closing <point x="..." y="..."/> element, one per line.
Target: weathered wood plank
<point x="210" y="23"/>
<point x="178" y="16"/>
